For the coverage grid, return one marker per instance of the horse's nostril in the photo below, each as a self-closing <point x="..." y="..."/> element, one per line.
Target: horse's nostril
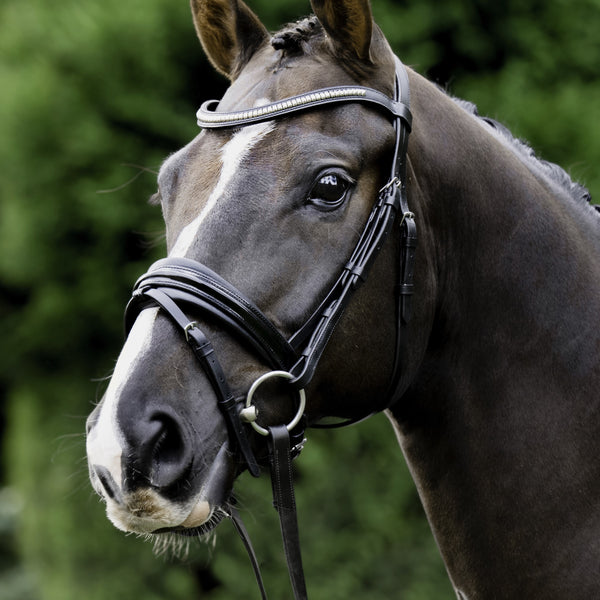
<point x="169" y="445"/>
<point x="161" y="453"/>
<point x="170" y="458"/>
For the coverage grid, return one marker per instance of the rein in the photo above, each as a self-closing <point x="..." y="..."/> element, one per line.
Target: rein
<point x="177" y="285"/>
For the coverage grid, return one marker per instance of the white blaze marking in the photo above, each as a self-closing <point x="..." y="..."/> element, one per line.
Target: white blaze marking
<point x="103" y="443"/>
<point x="104" y="440"/>
<point x="232" y="155"/>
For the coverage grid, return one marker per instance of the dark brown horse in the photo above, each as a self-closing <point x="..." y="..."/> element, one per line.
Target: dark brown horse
<point x="491" y="381"/>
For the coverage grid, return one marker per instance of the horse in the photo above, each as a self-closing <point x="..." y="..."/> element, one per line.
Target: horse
<point x="295" y="291"/>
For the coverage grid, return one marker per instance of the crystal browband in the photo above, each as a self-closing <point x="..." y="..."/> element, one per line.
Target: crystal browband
<point x="209" y="118"/>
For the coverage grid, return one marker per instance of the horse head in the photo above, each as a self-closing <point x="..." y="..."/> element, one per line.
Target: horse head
<point x="275" y="208"/>
<point x="280" y="303"/>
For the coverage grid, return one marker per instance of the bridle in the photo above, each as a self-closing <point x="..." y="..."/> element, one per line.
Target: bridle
<point x="178" y="285"/>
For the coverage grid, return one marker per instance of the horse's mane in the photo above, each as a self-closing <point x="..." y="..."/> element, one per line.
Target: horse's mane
<point x="553" y="171"/>
<point x="299" y="37"/>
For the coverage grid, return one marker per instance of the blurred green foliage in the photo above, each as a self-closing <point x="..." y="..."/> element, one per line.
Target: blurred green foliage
<point x="94" y="95"/>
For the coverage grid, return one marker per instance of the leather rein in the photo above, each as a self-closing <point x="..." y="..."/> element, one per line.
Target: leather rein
<point x="179" y="285"/>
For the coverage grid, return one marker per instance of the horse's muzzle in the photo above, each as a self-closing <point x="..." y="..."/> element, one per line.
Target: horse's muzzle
<point x="160" y="484"/>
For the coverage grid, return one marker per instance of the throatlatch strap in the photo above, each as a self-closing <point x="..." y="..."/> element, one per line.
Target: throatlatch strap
<point x="285" y="503"/>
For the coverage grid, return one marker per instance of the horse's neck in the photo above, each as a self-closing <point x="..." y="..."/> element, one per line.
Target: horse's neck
<point x="500" y="426"/>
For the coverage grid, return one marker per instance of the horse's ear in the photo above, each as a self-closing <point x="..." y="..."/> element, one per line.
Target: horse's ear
<point x="230" y="33"/>
<point x="349" y="24"/>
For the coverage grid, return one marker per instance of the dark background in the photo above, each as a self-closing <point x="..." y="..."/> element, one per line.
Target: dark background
<point x="93" y="95"/>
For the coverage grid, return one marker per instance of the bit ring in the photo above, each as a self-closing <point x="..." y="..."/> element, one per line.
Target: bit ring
<point x="257" y="384"/>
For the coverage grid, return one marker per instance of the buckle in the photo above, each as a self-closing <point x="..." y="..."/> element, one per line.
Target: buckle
<point x="393" y="181"/>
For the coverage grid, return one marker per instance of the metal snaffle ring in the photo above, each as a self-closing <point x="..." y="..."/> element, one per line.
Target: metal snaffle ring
<point x="249" y="413"/>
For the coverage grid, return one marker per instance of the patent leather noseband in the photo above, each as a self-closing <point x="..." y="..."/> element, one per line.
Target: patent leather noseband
<point x="180" y="286"/>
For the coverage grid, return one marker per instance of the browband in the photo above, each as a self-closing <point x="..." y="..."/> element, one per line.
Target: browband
<point x="209" y="118"/>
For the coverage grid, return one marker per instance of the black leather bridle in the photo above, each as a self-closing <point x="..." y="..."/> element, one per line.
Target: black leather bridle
<point x="179" y="285"/>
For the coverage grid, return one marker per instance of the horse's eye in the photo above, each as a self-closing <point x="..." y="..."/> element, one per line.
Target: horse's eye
<point x="329" y="192"/>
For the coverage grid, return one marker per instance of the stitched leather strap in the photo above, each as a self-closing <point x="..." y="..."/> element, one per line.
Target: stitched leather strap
<point x="190" y="282"/>
<point x="408" y="246"/>
<point x="209" y="118"/>
<point x="311" y="339"/>
<point x="285" y="503"/>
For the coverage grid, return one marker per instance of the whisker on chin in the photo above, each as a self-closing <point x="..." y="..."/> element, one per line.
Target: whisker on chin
<point x="177" y="544"/>
<point x="169" y="544"/>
